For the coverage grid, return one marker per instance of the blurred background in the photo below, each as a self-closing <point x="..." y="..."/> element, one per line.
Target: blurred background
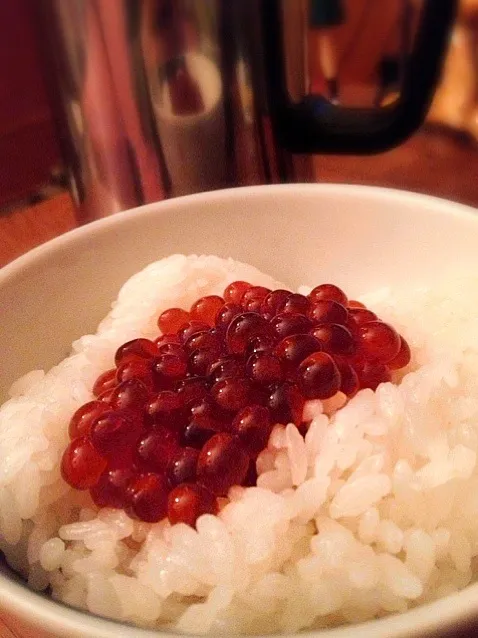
<point x="441" y="159"/>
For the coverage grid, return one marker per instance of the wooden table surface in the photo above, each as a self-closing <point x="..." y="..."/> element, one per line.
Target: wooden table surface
<point x="431" y="162"/>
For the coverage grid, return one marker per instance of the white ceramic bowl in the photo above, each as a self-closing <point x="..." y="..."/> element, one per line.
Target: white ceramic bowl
<point x="360" y="238"/>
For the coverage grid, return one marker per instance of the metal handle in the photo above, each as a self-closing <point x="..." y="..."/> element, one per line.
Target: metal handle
<point x="318" y="126"/>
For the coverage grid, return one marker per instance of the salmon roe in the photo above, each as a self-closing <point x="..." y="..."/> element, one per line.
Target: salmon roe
<point x="182" y="418"/>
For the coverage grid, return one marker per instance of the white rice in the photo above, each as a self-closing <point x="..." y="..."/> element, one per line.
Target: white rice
<point x="374" y="512"/>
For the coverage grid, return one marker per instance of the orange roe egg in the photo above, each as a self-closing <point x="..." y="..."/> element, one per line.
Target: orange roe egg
<point x="147" y="497"/>
<point x="81" y="464"/>
<point x="379" y="340"/>
<point x="329" y="292"/>
<point x="222" y="463"/>
<point x="234" y="292"/>
<point x="188" y="501"/>
<point x="104" y="382"/>
<point x="403" y="357"/>
<point x="172" y="320"/>
<point x="206" y="308"/>
<point x="80" y="423"/>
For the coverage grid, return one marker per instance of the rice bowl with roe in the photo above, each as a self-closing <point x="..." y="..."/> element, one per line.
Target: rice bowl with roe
<point x="369" y="512"/>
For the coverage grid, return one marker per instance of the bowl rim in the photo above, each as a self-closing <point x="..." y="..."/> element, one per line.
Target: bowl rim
<point x="444" y="614"/>
<point x="434" y="206"/>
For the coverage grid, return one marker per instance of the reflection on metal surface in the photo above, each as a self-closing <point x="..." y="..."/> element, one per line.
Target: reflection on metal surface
<point x="357" y="49"/>
<point x="157" y="98"/>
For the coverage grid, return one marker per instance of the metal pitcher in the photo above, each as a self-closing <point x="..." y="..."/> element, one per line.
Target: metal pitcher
<point x="159" y="98"/>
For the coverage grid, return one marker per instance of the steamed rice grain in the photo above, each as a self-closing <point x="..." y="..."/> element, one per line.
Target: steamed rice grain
<point x="372" y="513"/>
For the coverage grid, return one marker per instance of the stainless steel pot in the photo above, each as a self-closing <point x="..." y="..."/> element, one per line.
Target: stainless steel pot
<point x="158" y="98"/>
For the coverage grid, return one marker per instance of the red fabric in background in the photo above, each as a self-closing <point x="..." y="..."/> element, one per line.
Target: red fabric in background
<point x="28" y="149"/>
